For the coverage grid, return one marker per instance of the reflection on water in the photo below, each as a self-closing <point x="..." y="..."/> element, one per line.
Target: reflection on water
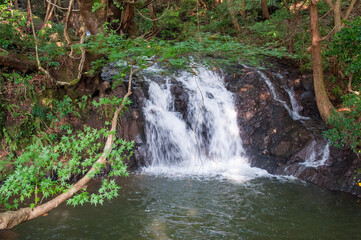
<point x="164" y="208"/>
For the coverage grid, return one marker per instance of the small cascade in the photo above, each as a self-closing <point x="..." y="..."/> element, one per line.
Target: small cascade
<point x="202" y="141"/>
<point x="295" y="108"/>
<point x="318" y="156"/>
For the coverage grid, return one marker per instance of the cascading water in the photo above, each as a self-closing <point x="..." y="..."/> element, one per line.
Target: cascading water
<point x="318" y="156"/>
<point x="204" y="142"/>
<point x="295" y="108"/>
<point x="291" y="93"/>
<point x="294" y="111"/>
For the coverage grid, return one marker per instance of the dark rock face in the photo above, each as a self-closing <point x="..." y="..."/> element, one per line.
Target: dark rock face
<point x="281" y="145"/>
<point x="180" y="99"/>
<point x="132" y="125"/>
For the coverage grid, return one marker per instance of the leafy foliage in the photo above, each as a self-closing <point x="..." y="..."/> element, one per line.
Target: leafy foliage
<point x="12" y="29"/>
<point x="346" y="124"/>
<point x="107" y="106"/>
<point x="347" y="48"/>
<point x="62" y="108"/>
<point x="143" y="53"/>
<point x="18" y="90"/>
<point x="43" y="171"/>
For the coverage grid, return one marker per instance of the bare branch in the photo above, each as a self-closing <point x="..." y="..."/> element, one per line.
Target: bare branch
<point x="156" y="19"/>
<point x="36" y="44"/>
<point x="66" y="21"/>
<point x="329" y="34"/>
<point x="349" y="9"/>
<point x="82" y="60"/>
<point x="61" y="8"/>
<point x="324" y="15"/>
<point x="330" y="3"/>
<point x="48" y="15"/>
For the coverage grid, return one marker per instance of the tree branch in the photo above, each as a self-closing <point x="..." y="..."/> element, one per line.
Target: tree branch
<point x="61" y="8"/>
<point x="349" y="10"/>
<point x="66" y="21"/>
<point x="36" y="44"/>
<point x="330" y="3"/>
<point x="48" y="15"/>
<point x="10" y="219"/>
<point x="328" y="34"/>
<point x="82" y="60"/>
<point x="156" y="19"/>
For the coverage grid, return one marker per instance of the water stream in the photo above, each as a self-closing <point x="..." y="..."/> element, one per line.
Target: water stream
<point x="199" y="184"/>
<point x="318" y="156"/>
<point x="204" y="142"/>
<point x="294" y="109"/>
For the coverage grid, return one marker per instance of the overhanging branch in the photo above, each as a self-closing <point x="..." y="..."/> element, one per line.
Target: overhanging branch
<point x="10" y="219"/>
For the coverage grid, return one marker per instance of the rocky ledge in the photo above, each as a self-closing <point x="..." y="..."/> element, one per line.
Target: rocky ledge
<point x="284" y="141"/>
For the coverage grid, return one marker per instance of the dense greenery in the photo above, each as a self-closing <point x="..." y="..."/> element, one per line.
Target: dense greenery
<point x="346" y="46"/>
<point x="347" y="123"/>
<point x="44" y="154"/>
<point x="45" y="168"/>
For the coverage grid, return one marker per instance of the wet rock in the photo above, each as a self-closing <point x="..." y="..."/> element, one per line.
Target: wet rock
<point x="281" y="145"/>
<point x="281" y="148"/>
<point x="307" y="82"/>
<point x="308" y="101"/>
<point x="180" y="99"/>
<point x="111" y="70"/>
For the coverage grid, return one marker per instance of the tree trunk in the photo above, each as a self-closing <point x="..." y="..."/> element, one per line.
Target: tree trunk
<point x="265" y="11"/>
<point x="324" y="105"/>
<point x="232" y="12"/>
<point x="337" y="15"/>
<point x="128" y="23"/>
<point x="243" y="9"/>
<point x="349" y="10"/>
<point x="49" y="13"/>
<point x="18" y="62"/>
<point x="153" y="16"/>
<point x="93" y="20"/>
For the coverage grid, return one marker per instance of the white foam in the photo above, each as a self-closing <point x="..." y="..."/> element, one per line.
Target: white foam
<point x="207" y="143"/>
<point x="318" y="156"/>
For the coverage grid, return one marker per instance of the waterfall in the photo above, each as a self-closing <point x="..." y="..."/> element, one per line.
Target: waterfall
<point x="296" y="108"/>
<point x="204" y="140"/>
<point x="318" y="156"/>
<point x="294" y="111"/>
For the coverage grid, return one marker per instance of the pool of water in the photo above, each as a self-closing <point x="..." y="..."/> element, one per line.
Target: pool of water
<point x="156" y="207"/>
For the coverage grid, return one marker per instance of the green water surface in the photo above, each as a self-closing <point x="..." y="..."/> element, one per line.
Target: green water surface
<point x="151" y="207"/>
